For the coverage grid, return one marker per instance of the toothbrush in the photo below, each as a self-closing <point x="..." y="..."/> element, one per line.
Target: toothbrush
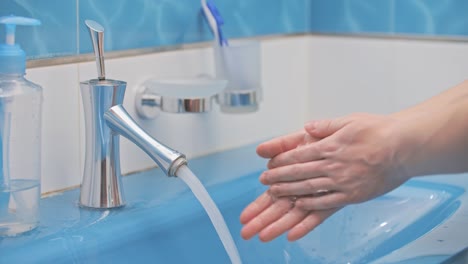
<point x="215" y="21"/>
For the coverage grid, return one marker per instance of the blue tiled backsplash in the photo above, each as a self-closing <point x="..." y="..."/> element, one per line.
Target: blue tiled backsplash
<point x="133" y="24"/>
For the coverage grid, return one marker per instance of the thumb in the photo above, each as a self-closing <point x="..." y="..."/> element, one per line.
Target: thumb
<point x="324" y="128"/>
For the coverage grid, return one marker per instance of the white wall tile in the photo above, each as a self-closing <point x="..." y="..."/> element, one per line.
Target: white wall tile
<point x="350" y="75"/>
<point x="60" y="130"/>
<point x="425" y="68"/>
<point x="380" y="75"/>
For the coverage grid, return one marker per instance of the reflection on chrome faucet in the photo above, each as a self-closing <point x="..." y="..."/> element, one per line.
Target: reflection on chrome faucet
<point x="105" y="120"/>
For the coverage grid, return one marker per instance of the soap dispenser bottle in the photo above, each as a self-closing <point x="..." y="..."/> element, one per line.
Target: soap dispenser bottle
<point x="20" y="136"/>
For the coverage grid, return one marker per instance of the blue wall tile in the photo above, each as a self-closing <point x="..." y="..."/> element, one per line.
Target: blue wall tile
<point x="133" y="24"/>
<point x="57" y="34"/>
<point x="141" y="24"/>
<point x="432" y="17"/>
<point x="416" y="17"/>
<point x="351" y="16"/>
<point x="263" y="17"/>
<point x="149" y="23"/>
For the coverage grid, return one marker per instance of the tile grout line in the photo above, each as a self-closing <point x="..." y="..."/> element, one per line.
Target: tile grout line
<point x="77" y="27"/>
<point x="80" y="131"/>
<point x="36" y="63"/>
<point x="392" y="16"/>
<point x="78" y="78"/>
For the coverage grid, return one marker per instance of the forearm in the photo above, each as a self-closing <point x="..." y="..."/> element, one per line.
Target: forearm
<point x="438" y="101"/>
<point x="435" y="134"/>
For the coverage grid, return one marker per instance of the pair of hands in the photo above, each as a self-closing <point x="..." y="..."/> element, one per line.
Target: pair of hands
<point x="317" y="171"/>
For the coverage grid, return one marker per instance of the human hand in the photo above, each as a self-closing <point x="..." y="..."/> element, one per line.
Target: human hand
<point x="269" y="217"/>
<point x="355" y="162"/>
<point x="271" y="148"/>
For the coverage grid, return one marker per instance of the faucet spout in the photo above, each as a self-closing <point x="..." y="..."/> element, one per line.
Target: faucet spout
<point x="121" y="122"/>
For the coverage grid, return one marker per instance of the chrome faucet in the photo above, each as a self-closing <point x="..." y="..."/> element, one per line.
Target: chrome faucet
<point x="105" y="120"/>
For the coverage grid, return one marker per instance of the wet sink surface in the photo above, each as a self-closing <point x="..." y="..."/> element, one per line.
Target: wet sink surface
<point x="163" y="223"/>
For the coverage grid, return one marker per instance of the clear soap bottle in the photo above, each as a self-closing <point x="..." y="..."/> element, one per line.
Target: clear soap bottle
<point x="20" y="136"/>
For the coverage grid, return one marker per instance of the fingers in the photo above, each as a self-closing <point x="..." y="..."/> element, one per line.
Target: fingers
<point x="310" y="222"/>
<point x="266" y="217"/>
<point x="270" y="218"/>
<point x="285" y="150"/>
<point x="304" y="154"/>
<point x="301" y="188"/>
<point x="256" y="207"/>
<point x="273" y="147"/>
<point x="289" y="220"/>
<point x="325" y="128"/>
<point x="322" y="202"/>
<point x="315" y="129"/>
<point x="294" y="172"/>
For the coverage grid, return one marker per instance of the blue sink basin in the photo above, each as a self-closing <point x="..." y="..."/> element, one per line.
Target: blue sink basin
<point x="164" y="223"/>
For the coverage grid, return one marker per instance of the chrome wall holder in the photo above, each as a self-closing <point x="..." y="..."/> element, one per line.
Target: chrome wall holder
<point x="177" y="96"/>
<point x="239" y="101"/>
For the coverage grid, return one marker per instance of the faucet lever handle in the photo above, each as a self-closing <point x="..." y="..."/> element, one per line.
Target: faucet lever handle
<point x="97" y="36"/>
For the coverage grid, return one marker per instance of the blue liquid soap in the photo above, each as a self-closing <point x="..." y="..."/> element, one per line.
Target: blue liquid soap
<point x="20" y="136"/>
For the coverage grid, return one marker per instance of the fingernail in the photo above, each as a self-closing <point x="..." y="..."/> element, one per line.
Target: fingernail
<point x="310" y="126"/>
<point x="270" y="164"/>
<point x="263" y="179"/>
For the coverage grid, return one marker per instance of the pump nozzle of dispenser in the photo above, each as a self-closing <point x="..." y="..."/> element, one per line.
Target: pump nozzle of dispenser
<point x="12" y="57"/>
<point x="10" y="26"/>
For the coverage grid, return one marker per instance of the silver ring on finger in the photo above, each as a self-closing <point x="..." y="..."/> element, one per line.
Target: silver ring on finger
<point x="321" y="192"/>
<point x="292" y="200"/>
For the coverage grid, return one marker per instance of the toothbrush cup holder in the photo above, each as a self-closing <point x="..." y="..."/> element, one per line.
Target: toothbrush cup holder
<point x="239" y="64"/>
<point x="176" y="96"/>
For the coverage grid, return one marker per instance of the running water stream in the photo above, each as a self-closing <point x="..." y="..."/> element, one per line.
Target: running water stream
<point x="212" y="210"/>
